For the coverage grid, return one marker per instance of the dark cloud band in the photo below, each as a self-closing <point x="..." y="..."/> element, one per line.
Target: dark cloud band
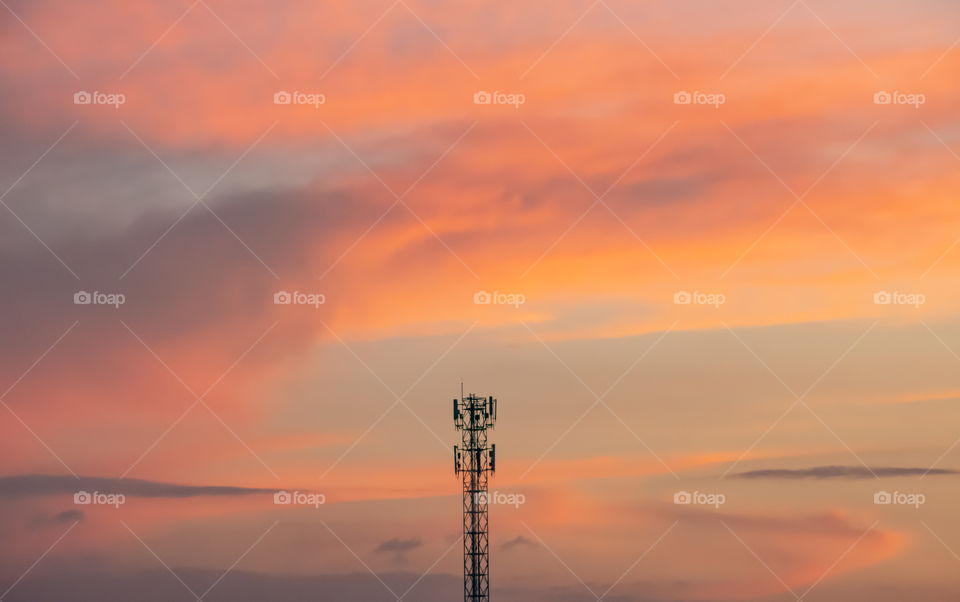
<point x="38" y="484"/>
<point x="842" y="472"/>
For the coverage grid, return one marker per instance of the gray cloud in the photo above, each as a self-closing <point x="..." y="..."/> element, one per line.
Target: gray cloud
<point x="60" y="518"/>
<point x="68" y="516"/>
<point x="244" y="586"/>
<point x="399" y="545"/>
<point x="240" y="586"/>
<point x="842" y="472"/>
<point x="517" y="541"/>
<point x="37" y="484"/>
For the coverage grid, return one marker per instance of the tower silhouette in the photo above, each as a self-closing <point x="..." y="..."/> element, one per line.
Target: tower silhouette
<point x="474" y="460"/>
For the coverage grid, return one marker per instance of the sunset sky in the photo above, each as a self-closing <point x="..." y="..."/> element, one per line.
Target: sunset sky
<point x="750" y="297"/>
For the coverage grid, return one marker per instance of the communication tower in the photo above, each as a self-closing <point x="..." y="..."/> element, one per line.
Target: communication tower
<point x="474" y="460"/>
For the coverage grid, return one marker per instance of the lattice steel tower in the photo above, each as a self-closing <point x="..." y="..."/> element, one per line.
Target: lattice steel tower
<point x="474" y="460"/>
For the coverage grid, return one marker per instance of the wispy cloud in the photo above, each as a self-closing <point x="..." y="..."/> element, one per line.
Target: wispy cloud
<point x="842" y="472"/>
<point x="518" y="541"/>
<point x="399" y="547"/>
<point x="39" y="484"/>
<point x="60" y="518"/>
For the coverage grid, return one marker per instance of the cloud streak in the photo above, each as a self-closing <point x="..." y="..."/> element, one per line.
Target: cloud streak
<point x="38" y="484"/>
<point x="842" y="472"/>
<point x="518" y="541"/>
<point x="398" y="545"/>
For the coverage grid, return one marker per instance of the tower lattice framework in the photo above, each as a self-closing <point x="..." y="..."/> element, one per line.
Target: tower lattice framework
<point x="474" y="460"/>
